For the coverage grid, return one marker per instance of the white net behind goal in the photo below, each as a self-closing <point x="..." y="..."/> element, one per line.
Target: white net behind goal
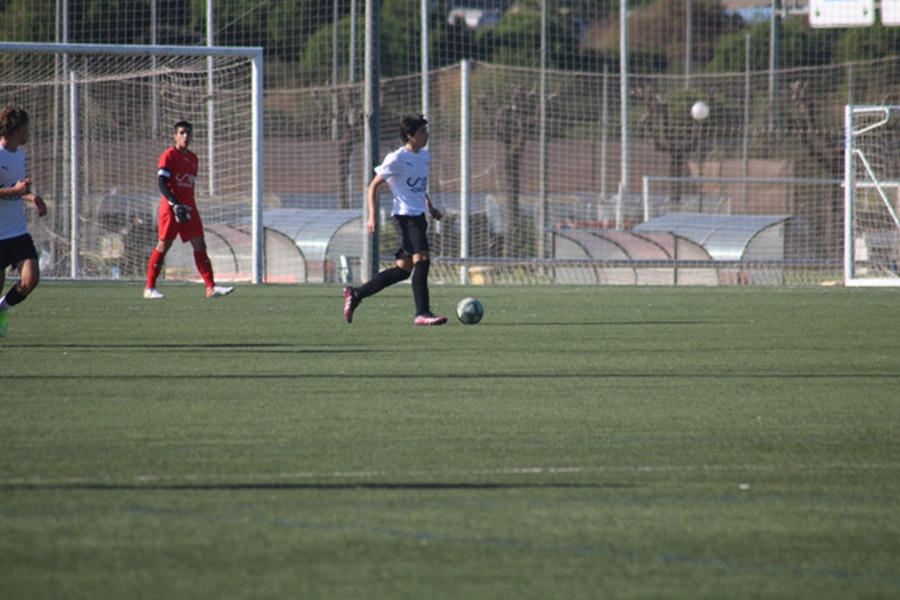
<point x="872" y="196"/>
<point x="99" y="121"/>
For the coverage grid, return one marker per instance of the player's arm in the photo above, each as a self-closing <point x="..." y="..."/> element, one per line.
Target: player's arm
<point x="22" y="189"/>
<point x="18" y="190"/>
<point x="436" y="214"/>
<point x="180" y="210"/>
<point x="37" y="201"/>
<point x="372" y="198"/>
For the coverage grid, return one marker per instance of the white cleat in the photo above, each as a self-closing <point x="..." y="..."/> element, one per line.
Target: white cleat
<point x="153" y="294"/>
<point x="429" y="319"/>
<point x="219" y="290"/>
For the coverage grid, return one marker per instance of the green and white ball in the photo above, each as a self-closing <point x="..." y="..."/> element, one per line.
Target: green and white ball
<point x="469" y="311"/>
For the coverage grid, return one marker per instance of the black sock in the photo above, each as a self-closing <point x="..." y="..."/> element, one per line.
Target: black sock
<point x="420" y="287"/>
<point x="381" y="281"/>
<point x="13" y="296"/>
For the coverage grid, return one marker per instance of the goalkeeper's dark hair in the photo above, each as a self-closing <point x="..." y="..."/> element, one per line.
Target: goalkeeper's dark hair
<point x="181" y="124"/>
<point x="410" y="124"/>
<point x="11" y="119"/>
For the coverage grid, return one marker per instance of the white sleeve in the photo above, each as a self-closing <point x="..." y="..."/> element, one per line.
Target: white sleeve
<point x="390" y="166"/>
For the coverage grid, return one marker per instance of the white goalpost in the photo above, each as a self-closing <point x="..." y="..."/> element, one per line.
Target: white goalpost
<point x="871" y="196"/>
<point x="102" y="114"/>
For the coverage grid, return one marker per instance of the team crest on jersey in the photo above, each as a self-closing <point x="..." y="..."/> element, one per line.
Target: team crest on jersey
<point x="184" y="180"/>
<point x="419" y="184"/>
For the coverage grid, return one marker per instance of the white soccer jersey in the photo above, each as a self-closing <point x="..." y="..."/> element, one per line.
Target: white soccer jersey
<point x="406" y="173"/>
<point x="12" y="208"/>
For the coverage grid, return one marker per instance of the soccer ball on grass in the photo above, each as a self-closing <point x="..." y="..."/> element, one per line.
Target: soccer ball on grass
<point x="469" y="311"/>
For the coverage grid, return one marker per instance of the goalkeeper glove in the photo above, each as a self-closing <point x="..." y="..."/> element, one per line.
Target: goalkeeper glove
<point x="182" y="213"/>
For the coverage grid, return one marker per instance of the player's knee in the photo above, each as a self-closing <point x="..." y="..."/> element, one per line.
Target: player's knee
<point x="27" y="285"/>
<point x="30" y="277"/>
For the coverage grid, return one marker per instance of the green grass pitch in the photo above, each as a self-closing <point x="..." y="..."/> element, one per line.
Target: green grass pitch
<point x="580" y="442"/>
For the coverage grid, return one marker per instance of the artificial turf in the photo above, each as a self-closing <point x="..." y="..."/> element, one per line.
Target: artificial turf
<point x="580" y="442"/>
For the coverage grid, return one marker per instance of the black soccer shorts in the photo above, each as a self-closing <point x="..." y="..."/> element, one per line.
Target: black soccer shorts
<point x="413" y="232"/>
<point x="16" y="250"/>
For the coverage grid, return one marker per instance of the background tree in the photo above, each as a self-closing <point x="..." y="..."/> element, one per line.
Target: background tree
<point x="516" y="39"/>
<point x="28" y="20"/>
<point x="865" y="45"/>
<point x="316" y="61"/>
<point x="801" y="46"/>
<point x="514" y="114"/>
<point x="661" y="26"/>
<point x="667" y="121"/>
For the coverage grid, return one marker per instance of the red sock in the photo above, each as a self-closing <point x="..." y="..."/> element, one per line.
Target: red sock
<point x="205" y="267"/>
<point x="156" y="263"/>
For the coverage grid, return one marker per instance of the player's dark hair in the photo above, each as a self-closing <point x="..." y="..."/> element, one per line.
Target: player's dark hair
<point x="181" y="124"/>
<point x="11" y="119"/>
<point x="410" y="124"/>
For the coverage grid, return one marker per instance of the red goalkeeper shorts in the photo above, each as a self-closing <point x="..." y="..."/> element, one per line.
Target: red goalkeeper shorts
<point x="169" y="228"/>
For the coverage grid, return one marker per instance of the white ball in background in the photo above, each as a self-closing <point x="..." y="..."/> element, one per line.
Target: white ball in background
<point x="700" y="110"/>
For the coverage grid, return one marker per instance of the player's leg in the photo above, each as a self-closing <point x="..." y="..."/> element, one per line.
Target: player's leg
<point x="20" y="253"/>
<point x="385" y="278"/>
<point x="388" y="277"/>
<point x="421" y="258"/>
<point x="204" y="266"/>
<point x="30" y="271"/>
<point x="6" y="259"/>
<point x="421" y="295"/>
<point x="168" y="231"/>
<point x="154" y="268"/>
<point x="421" y="266"/>
<point x="3" y="315"/>
<point x="30" y="275"/>
<point x="201" y="259"/>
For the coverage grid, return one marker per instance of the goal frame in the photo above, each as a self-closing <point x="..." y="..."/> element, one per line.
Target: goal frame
<point x="851" y="155"/>
<point x="255" y="57"/>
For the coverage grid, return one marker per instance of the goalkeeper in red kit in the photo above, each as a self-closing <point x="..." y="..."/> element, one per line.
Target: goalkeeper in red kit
<point x="178" y="216"/>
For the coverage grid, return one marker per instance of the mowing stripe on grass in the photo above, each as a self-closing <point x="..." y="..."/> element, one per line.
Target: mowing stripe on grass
<point x="426" y="537"/>
<point x="248" y="479"/>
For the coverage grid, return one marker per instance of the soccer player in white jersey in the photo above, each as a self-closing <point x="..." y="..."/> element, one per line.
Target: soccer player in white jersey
<point x="405" y="171"/>
<point x="16" y="246"/>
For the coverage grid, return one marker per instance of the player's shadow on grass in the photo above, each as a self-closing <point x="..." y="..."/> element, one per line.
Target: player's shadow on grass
<point x="610" y="323"/>
<point x="166" y="346"/>
<point x="313" y="486"/>
<point x="230" y="347"/>
<point x="454" y="376"/>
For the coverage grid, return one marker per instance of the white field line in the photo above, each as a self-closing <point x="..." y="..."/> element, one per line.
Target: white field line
<point x="430" y="474"/>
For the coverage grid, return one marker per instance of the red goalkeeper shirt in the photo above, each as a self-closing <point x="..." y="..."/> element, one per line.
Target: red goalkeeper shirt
<point x="181" y="169"/>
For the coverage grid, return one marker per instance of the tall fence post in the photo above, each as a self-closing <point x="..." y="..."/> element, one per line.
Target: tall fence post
<point x="75" y="179"/>
<point x="371" y="244"/>
<point x="464" y="174"/>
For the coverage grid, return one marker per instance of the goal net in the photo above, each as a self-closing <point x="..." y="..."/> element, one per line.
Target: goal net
<point x="100" y="118"/>
<point x="871" y="196"/>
